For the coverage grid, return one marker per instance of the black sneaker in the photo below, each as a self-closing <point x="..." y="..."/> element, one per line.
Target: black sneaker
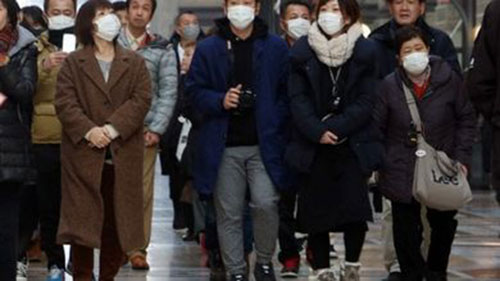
<point x="264" y="272"/>
<point x="238" y="277"/>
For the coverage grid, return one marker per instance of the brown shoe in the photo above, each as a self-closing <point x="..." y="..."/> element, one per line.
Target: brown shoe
<point x="139" y="262"/>
<point x="34" y="252"/>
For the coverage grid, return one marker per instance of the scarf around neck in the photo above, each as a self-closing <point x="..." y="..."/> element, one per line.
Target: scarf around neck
<point x="336" y="51"/>
<point x="8" y="38"/>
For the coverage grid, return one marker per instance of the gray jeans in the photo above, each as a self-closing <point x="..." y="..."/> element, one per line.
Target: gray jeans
<point x="241" y="169"/>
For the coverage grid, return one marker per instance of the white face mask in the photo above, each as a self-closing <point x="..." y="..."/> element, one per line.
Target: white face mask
<point x="331" y="23"/>
<point x="108" y="27"/>
<point x="298" y="27"/>
<point x="61" y="22"/>
<point x="241" y="16"/>
<point x="416" y="63"/>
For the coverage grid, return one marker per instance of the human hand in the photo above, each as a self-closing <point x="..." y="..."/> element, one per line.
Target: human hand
<point x="151" y="139"/>
<point x="98" y="137"/>
<point x="328" y="138"/>
<point x="3" y="99"/>
<point x="232" y="98"/>
<point x="53" y="60"/>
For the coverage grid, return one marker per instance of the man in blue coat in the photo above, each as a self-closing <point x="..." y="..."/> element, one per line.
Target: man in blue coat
<point x="237" y="81"/>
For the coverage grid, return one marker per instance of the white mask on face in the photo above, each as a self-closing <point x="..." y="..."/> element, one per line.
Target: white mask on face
<point x="298" y="27"/>
<point x="108" y="27"/>
<point x="416" y="63"/>
<point x="61" y="22"/>
<point x="331" y="23"/>
<point x="241" y="16"/>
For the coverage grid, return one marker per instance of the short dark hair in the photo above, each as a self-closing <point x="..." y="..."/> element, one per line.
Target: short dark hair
<point x="349" y="8"/>
<point x="12" y="11"/>
<point x="36" y="14"/>
<point x="153" y="2"/>
<point x="119" y="6"/>
<point x="179" y="16"/>
<point x="84" y="26"/>
<point x="406" y="33"/>
<point x="47" y="2"/>
<point x="284" y="6"/>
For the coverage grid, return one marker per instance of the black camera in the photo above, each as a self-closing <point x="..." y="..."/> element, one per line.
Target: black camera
<point x="334" y="106"/>
<point x="412" y="139"/>
<point x="246" y="102"/>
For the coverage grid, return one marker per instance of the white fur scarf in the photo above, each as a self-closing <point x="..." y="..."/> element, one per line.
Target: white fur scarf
<point x="336" y="51"/>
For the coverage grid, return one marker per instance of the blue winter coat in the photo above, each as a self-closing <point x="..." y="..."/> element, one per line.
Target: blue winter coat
<point x="206" y="86"/>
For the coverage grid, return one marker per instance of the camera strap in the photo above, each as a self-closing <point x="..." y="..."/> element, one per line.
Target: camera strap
<point x="335" y="79"/>
<point x="230" y="76"/>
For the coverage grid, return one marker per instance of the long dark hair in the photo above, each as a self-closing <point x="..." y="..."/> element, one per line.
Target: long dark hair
<point x="12" y="11"/>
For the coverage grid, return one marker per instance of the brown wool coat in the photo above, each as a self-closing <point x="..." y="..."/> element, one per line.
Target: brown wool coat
<point x="84" y="100"/>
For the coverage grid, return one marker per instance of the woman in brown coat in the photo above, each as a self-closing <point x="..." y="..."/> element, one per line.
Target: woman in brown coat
<point x="103" y="95"/>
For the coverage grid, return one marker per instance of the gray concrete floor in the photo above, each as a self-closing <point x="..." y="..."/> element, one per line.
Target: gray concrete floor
<point x="476" y="252"/>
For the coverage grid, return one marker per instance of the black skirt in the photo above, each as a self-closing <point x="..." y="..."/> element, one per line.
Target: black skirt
<point x="335" y="195"/>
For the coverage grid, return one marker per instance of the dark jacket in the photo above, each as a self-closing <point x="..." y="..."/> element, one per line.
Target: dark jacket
<point x="449" y="125"/>
<point x="207" y="84"/>
<point x="355" y="122"/>
<point x="17" y="82"/>
<point x="385" y="38"/>
<point x="483" y="79"/>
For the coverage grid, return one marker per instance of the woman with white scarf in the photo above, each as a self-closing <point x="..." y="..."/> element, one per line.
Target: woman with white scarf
<point x="334" y="146"/>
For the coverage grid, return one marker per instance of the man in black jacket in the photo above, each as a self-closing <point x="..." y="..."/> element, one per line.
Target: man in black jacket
<point x="405" y="12"/>
<point x="483" y="82"/>
<point x="410" y="12"/>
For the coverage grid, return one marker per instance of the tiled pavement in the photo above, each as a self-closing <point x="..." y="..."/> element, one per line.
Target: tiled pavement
<point x="476" y="252"/>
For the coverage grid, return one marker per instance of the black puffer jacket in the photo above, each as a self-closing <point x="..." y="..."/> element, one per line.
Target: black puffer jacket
<point x="449" y="125"/>
<point x="308" y="105"/>
<point x="17" y="82"/>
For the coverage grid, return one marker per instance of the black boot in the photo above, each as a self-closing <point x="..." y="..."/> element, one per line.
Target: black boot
<point x="217" y="270"/>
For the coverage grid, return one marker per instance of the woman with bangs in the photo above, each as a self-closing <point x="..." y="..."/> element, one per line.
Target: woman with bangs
<point x="103" y="95"/>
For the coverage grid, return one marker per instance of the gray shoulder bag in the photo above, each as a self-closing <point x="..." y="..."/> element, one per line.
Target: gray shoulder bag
<point x="439" y="182"/>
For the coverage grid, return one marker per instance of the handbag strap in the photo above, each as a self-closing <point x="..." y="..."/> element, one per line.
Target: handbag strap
<point x="412" y="105"/>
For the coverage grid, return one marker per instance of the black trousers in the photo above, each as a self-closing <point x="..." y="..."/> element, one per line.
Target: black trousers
<point x="28" y="218"/>
<point x="319" y="245"/>
<point x="407" y="227"/>
<point x="49" y="200"/>
<point x="289" y="247"/>
<point x="9" y="228"/>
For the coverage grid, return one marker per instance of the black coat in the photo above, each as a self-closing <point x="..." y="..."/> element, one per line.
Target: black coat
<point x="335" y="194"/>
<point x="483" y="80"/>
<point x="449" y="125"/>
<point x="385" y="38"/>
<point x="17" y="82"/>
<point x="307" y="107"/>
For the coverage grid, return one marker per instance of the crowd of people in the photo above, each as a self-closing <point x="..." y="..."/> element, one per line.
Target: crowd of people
<point x="262" y="136"/>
